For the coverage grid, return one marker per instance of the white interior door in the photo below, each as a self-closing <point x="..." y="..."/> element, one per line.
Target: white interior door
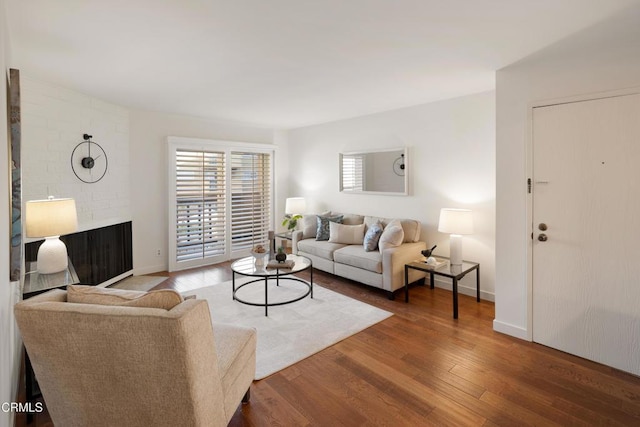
<point x="586" y="190"/>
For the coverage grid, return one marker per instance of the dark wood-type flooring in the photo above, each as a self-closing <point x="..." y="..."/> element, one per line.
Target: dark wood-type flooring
<point x="421" y="367"/>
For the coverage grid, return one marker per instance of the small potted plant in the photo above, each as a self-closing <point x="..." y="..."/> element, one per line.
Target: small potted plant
<point x="281" y="256"/>
<point x="291" y="221"/>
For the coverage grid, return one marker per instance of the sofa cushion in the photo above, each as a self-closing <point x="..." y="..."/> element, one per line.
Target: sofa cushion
<point x="392" y="236"/>
<point x="309" y="224"/>
<point x="356" y="256"/>
<point x="347" y="234"/>
<point x="350" y="219"/>
<point x="410" y="227"/>
<point x="164" y="298"/>
<point x="322" y="249"/>
<point x="322" y="232"/>
<point x="372" y="237"/>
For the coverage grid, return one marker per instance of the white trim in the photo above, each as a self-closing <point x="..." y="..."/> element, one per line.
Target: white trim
<point x="174" y="143"/>
<point x="514" y="331"/>
<point x="149" y="269"/>
<point x="462" y="289"/>
<point x="115" y="279"/>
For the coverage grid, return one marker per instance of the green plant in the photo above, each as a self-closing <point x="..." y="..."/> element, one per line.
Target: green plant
<point x="291" y="221"/>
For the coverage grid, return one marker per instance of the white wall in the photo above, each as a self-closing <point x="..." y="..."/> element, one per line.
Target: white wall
<point x="452" y="164"/>
<point x="149" y="192"/>
<point x="54" y="120"/>
<point x="9" y="292"/>
<point x="602" y="58"/>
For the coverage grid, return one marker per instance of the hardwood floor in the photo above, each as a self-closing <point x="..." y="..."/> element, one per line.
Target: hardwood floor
<point x="421" y="367"/>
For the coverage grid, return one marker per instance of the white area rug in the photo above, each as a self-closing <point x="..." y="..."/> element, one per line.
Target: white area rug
<point x="139" y="283"/>
<point x="294" y="331"/>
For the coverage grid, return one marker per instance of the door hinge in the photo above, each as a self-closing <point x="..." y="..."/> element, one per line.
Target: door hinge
<point x="529" y="185"/>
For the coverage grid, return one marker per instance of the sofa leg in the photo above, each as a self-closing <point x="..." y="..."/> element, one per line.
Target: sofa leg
<point x="391" y="295"/>
<point x="247" y="396"/>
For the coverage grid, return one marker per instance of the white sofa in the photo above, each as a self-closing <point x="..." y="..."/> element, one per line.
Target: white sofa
<point x="382" y="269"/>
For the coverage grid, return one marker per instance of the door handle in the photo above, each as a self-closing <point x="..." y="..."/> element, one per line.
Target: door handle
<point x="542" y="237"/>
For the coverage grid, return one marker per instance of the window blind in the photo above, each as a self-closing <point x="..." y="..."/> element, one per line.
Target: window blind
<point x="200" y="204"/>
<point x="352" y="173"/>
<point x="250" y="199"/>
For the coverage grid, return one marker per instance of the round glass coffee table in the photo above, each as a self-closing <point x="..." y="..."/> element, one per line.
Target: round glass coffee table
<point x="265" y="274"/>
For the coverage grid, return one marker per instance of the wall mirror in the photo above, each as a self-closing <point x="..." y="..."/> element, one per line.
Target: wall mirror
<point x="375" y="172"/>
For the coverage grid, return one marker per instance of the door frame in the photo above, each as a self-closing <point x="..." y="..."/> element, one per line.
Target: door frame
<point x="529" y="176"/>
<point x="175" y="142"/>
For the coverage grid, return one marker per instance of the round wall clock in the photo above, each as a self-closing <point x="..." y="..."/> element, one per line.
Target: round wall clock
<point x="89" y="161"/>
<point x="398" y="165"/>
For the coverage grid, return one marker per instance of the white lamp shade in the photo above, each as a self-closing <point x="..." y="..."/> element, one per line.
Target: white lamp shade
<point x="295" y="205"/>
<point x="52" y="217"/>
<point x="456" y="221"/>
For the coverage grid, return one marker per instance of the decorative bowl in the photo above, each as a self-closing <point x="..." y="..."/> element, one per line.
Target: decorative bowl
<point x="259" y="257"/>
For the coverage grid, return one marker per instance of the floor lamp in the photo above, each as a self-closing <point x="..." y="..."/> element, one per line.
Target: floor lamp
<point x="50" y="219"/>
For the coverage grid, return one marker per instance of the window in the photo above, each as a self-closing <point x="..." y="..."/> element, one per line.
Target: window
<point x="250" y="199"/>
<point x="220" y="201"/>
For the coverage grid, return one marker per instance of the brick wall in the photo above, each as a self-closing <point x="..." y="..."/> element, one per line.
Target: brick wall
<point x="54" y="119"/>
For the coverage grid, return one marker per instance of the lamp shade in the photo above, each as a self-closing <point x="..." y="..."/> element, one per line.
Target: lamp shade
<point x="456" y="221"/>
<point x="295" y="205"/>
<point x="51" y="217"/>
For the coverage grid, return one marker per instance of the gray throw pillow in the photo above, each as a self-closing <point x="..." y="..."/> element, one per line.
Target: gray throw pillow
<point x="371" y="238"/>
<point x="322" y="233"/>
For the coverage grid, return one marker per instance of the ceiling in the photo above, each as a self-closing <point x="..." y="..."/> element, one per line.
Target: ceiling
<point x="285" y="63"/>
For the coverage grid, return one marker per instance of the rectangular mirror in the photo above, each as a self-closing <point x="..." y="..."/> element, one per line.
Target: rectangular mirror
<point x="375" y="172"/>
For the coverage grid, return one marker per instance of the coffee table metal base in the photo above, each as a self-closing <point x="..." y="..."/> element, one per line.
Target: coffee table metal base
<point x="265" y="280"/>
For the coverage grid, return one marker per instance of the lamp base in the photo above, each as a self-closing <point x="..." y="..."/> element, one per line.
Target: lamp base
<point x="52" y="256"/>
<point x="455" y="249"/>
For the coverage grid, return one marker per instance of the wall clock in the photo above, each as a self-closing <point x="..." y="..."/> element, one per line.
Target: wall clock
<point x="89" y="161"/>
<point x="398" y="165"/>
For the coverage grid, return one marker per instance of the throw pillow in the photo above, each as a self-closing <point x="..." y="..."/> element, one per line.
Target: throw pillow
<point x="309" y="224"/>
<point x="164" y="298"/>
<point x="346" y="234"/>
<point x="391" y="237"/>
<point x="372" y="237"/>
<point x="322" y="232"/>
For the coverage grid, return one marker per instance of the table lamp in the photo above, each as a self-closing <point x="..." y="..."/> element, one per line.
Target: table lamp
<point x="49" y="219"/>
<point x="455" y="222"/>
<point x="293" y="208"/>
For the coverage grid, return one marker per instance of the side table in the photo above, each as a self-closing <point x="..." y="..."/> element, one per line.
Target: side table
<point x="454" y="272"/>
<point x="34" y="284"/>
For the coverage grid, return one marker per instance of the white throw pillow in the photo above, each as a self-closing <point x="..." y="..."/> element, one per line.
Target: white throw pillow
<point x="391" y="237"/>
<point x="346" y="234"/>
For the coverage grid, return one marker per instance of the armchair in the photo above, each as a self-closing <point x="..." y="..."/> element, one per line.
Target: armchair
<point x="104" y="365"/>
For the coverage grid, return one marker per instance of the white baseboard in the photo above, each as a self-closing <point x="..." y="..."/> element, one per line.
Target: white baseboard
<point x="508" y="329"/>
<point x="115" y="279"/>
<point x="465" y="290"/>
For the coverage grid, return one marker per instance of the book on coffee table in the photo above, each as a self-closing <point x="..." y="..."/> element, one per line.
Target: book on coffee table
<point x="288" y="264"/>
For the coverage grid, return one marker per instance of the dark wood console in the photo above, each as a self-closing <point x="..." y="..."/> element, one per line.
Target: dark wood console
<point x="98" y="255"/>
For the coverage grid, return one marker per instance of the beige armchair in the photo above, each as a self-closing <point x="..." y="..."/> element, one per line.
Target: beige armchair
<point x="106" y="365"/>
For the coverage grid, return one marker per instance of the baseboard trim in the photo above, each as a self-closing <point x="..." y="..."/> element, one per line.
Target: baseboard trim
<point x="512" y="330"/>
<point x="462" y="289"/>
<point x="115" y="279"/>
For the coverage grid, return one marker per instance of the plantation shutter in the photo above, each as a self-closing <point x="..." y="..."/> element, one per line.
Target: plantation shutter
<point x="250" y="199"/>
<point x="200" y="204"/>
<point x="220" y="200"/>
<point x="352" y="173"/>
